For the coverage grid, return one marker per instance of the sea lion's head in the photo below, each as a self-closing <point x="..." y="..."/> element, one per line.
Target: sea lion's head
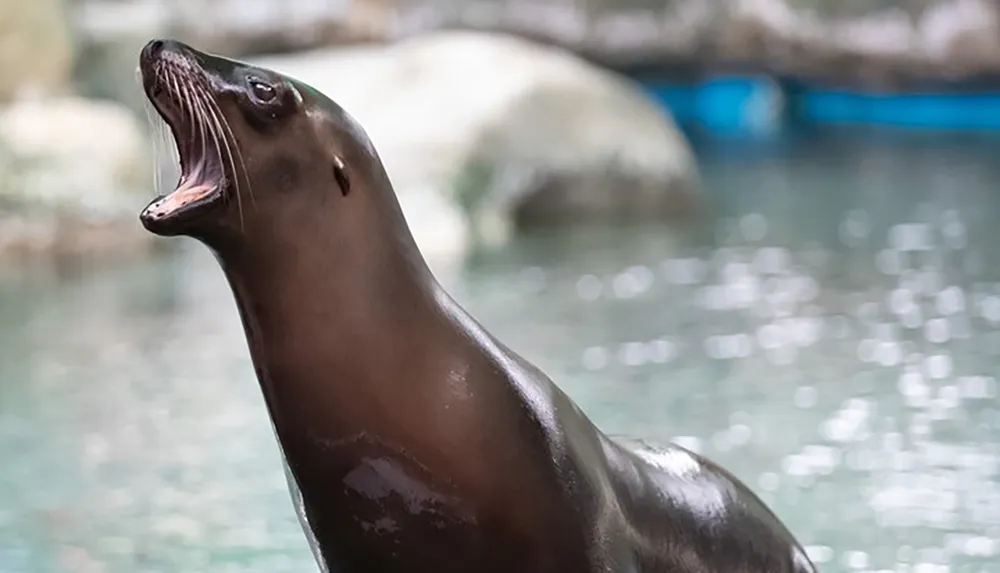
<point x="250" y="141"/>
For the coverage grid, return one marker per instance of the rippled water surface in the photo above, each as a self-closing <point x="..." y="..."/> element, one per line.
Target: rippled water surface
<point x="830" y="332"/>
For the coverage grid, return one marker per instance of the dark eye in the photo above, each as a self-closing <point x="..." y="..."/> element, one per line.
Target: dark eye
<point x="263" y="92"/>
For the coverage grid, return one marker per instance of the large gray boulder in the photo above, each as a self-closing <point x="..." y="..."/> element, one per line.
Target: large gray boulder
<point x="481" y="132"/>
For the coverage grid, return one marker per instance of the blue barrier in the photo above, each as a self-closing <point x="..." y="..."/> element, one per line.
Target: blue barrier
<point x="755" y="105"/>
<point x="940" y="111"/>
<point x="732" y="105"/>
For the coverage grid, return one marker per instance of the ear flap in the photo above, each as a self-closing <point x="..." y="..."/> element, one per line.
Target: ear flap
<point x="340" y="174"/>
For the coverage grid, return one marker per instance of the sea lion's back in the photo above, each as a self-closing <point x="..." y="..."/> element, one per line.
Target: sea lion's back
<point x="704" y="519"/>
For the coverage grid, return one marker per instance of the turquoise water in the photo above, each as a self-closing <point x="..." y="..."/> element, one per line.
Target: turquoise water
<point x="830" y="330"/>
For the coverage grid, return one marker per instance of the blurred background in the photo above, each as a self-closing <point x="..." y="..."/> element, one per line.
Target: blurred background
<point x="765" y="229"/>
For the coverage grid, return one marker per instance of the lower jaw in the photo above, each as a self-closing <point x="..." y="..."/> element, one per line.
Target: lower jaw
<point x="172" y="215"/>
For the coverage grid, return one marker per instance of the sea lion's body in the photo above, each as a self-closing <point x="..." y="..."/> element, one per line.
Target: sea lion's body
<point x="418" y="442"/>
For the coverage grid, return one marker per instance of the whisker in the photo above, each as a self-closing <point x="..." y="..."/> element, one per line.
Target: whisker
<point x="175" y="152"/>
<point x="205" y="105"/>
<point x="184" y="97"/>
<point x="230" y="137"/>
<point x="199" y="113"/>
<point x="176" y="90"/>
<point x="197" y="118"/>
<point x="154" y="134"/>
<point x="163" y="146"/>
<point x="233" y="145"/>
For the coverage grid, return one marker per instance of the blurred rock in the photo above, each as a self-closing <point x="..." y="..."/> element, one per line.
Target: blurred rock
<point x="69" y="174"/>
<point x="35" y="47"/>
<point x="888" y="43"/>
<point x="893" y="44"/>
<point x="110" y="36"/>
<point x="509" y="131"/>
<point x="964" y="35"/>
<point x="236" y="27"/>
<point x="106" y="70"/>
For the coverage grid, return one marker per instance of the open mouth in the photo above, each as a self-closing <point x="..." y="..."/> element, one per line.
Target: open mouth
<point x="176" y="91"/>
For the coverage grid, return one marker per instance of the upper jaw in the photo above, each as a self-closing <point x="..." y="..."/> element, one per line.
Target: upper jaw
<point x="174" y="95"/>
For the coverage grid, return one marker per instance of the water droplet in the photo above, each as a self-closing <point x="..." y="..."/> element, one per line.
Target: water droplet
<point x="627" y="285"/>
<point x="782" y="356"/>
<point x="595" y="358"/>
<point x="805" y="397"/>
<point x="769" y="481"/>
<point x="819" y="553"/>
<point x="589" y="287"/>
<point x="913" y="319"/>
<point x="684" y="271"/>
<point x="980" y="546"/>
<point x="661" y="351"/>
<point x="795" y="465"/>
<point x="936" y="331"/>
<point x="948" y="396"/>
<point x="770" y="336"/>
<point x="954" y="234"/>
<point x="990" y="309"/>
<point x="753" y="226"/>
<point x="976" y="387"/>
<point x="632" y="354"/>
<point x="854" y="228"/>
<point x="856" y="559"/>
<point x="911" y="384"/>
<point x="901" y="301"/>
<point x="713" y="297"/>
<point x="889" y="262"/>
<point x="950" y="301"/>
<point x="771" y="260"/>
<point x="938" y="366"/>
<point x="739" y="434"/>
<point x="911" y="237"/>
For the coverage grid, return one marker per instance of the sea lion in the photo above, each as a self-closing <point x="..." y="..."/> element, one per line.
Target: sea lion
<point x="414" y="440"/>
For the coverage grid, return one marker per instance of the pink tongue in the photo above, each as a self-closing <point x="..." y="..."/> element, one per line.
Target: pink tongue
<point x="184" y="194"/>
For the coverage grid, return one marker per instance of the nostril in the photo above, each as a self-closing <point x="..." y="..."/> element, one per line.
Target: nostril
<point x="153" y="49"/>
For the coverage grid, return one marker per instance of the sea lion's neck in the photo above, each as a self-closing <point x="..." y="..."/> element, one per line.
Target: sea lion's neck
<point x="331" y="295"/>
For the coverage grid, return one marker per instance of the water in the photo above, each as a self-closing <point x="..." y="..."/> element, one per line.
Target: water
<point x="830" y="332"/>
